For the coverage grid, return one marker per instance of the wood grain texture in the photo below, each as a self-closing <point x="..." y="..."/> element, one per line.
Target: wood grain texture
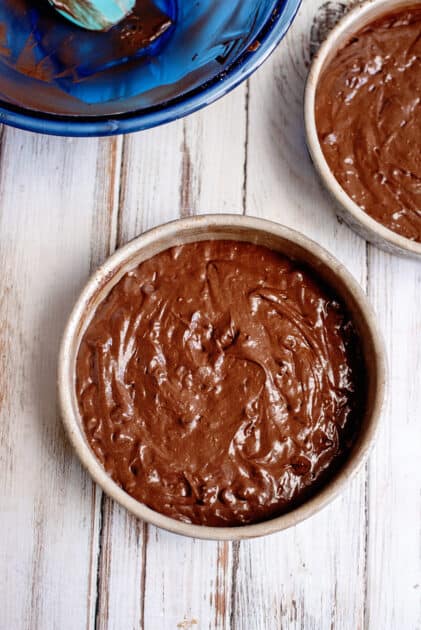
<point x="195" y="165"/>
<point x="314" y="575"/>
<point x="394" y="561"/>
<point x="47" y="205"/>
<point x="71" y="558"/>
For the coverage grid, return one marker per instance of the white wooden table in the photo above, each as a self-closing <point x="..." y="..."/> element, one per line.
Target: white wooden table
<point x="70" y="558"/>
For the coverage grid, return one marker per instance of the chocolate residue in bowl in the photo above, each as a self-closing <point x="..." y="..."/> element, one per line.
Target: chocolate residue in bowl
<point x="165" y="52"/>
<point x="54" y="48"/>
<point x="368" y="116"/>
<point x="220" y="384"/>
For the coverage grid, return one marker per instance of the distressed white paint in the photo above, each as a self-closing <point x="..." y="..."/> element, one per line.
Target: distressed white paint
<point x="317" y="571"/>
<point x="394" y="514"/>
<point x="180" y="580"/>
<point x="48" y="516"/>
<point x="69" y="557"/>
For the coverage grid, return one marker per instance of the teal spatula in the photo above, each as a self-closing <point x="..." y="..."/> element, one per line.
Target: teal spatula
<point x="94" y="15"/>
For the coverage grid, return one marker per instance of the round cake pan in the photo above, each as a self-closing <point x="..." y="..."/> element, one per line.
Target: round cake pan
<point x="236" y="228"/>
<point x="353" y="215"/>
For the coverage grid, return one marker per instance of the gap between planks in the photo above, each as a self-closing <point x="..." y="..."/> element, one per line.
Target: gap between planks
<point x="118" y="170"/>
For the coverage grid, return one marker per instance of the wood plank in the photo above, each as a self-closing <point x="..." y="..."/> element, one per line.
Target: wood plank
<point x="312" y="576"/>
<point x="48" y="199"/>
<point x="195" y="165"/>
<point x="394" y="561"/>
<point x="149" y="195"/>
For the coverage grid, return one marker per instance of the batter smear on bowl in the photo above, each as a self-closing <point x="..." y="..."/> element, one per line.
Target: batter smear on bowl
<point x="220" y="383"/>
<point x="368" y="116"/>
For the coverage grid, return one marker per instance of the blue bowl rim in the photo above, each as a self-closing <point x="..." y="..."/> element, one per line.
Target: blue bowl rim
<point x="78" y="126"/>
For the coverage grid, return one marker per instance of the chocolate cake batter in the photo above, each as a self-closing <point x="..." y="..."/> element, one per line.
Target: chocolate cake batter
<point x="368" y="115"/>
<point x="219" y="383"/>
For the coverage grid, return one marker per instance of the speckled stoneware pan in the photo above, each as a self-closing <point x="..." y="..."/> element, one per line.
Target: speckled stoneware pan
<point x="352" y="214"/>
<point x="229" y="227"/>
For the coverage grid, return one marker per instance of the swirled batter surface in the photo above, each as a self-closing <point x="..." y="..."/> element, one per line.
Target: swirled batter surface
<point x="368" y="114"/>
<point x="217" y="383"/>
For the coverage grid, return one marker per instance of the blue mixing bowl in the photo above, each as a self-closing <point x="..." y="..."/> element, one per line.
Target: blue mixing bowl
<point x="59" y="79"/>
